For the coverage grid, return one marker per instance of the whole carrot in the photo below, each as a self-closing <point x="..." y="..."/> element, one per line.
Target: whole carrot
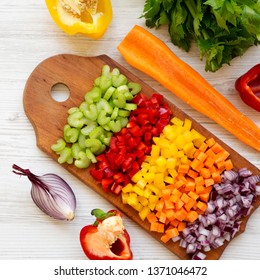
<point x="150" y="55"/>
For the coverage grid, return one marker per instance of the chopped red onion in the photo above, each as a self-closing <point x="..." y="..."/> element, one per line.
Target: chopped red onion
<point x="229" y="201"/>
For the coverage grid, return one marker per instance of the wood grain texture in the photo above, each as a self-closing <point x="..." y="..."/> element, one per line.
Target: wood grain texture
<point x="48" y="118"/>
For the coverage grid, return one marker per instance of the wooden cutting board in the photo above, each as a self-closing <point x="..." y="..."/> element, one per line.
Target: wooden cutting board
<point x="48" y="118"/>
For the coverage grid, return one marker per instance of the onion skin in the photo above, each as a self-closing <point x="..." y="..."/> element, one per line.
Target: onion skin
<point x="51" y="194"/>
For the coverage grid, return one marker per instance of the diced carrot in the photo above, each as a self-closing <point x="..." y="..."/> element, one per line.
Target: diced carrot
<point x="190" y="186"/>
<point x="190" y="204"/>
<point x="196" y="153"/>
<point x="192" y="216"/>
<point x="185" y="198"/>
<point x="154" y="226"/>
<point x="208" y="189"/>
<point x="175" y="223"/>
<point x="174" y="198"/>
<point x="166" y="193"/>
<point x="209" y="162"/>
<point x="209" y="182"/>
<point x="179" y="204"/>
<point x="169" y="204"/>
<point x="160" y="228"/>
<point x="172" y="232"/>
<point x="162" y="217"/>
<point x="159" y="206"/>
<point x="151" y="218"/>
<point x="205" y="173"/>
<point x="183" y="168"/>
<point x="202" y="206"/>
<point x="176" y="193"/>
<point x="200" y="189"/>
<point x="221" y="156"/>
<point x="201" y="156"/>
<point x="210" y="153"/>
<point x="216" y="148"/>
<point x="228" y="164"/>
<point x="181" y="226"/>
<point x="193" y="174"/>
<point x="221" y="166"/>
<point x="170" y="214"/>
<point x="165" y="238"/>
<point x="193" y="195"/>
<point x="210" y="142"/>
<point x="181" y="181"/>
<point x="181" y="214"/>
<point x="203" y="147"/>
<point x="216" y="177"/>
<point x="204" y="197"/>
<point x="196" y="165"/>
<point x="199" y="181"/>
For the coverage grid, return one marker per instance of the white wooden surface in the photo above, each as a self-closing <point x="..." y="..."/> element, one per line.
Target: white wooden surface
<point x="27" y="36"/>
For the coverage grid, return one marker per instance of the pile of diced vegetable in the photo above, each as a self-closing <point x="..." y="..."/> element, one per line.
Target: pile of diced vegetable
<point x="182" y="183"/>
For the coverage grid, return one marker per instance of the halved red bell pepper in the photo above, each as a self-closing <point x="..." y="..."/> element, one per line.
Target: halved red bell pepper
<point x="106" y="239"/>
<point x="248" y="86"/>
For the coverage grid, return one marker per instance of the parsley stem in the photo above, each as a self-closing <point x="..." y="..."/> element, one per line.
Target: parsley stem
<point x="191" y="7"/>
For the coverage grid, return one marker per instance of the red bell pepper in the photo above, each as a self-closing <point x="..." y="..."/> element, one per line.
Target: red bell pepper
<point x="106" y="239"/>
<point x="248" y="86"/>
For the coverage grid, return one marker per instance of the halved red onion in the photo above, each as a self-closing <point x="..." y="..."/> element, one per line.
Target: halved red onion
<point x="229" y="201"/>
<point x="51" y="194"/>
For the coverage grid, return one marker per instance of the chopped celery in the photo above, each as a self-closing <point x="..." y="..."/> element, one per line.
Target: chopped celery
<point x="123" y="113"/>
<point x="93" y="95"/>
<point x="104" y="105"/>
<point x="91" y="156"/>
<point x="106" y="71"/>
<point x="120" y="101"/>
<point x="88" y="128"/>
<point x="102" y="118"/>
<point x="105" y="83"/>
<point x="134" y="88"/>
<point x="73" y="110"/>
<point x="93" y="144"/>
<point x="96" y="132"/>
<point x="115" y="113"/>
<point x="130" y="106"/>
<point x="65" y="155"/>
<point x="71" y="135"/>
<point x="91" y="112"/>
<point x="115" y="126"/>
<point x="123" y="121"/>
<point x="81" y="140"/>
<point x="109" y="93"/>
<point x="58" y="146"/>
<point x="119" y="80"/>
<point x="115" y="72"/>
<point x="76" y="120"/>
<point x="83" y="161"/>
<point x="75" y="149"/>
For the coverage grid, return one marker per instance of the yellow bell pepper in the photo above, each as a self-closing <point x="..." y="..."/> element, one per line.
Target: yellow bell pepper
<point x="88" y="17"/>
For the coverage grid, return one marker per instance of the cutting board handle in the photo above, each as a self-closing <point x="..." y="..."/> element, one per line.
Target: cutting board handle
<point x="39" y="104"/>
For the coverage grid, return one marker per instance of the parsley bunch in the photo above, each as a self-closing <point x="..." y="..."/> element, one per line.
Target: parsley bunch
<point x="222" y="29"/>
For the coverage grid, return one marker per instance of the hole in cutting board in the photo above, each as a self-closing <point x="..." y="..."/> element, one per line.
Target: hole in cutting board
<point x="60" y="92"/>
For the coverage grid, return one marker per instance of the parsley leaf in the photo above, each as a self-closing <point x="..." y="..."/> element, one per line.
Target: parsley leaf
<point x="222" y="29"/>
